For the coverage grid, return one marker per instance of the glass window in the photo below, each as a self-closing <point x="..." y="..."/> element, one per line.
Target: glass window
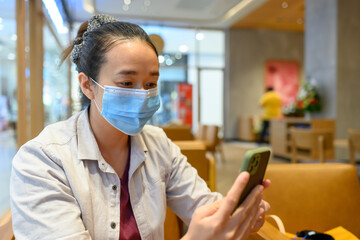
<point x="8" y="98"/>
<point x="56" y="85"/>
<point x="185" y="52"/>
<point x="211" y="83"/>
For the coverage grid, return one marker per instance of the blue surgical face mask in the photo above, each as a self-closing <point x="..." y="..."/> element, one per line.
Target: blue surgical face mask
<point x="128" y="109"/>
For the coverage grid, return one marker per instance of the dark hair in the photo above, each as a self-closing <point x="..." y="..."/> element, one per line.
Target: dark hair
<point x="98" y="42"/>
<point x="268" y="89"/>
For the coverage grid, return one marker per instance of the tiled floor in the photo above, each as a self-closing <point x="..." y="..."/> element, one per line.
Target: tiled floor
<point x="227" y="171"/>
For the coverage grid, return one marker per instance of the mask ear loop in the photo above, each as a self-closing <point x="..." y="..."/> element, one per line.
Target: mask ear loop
<point x="94" y="98"/>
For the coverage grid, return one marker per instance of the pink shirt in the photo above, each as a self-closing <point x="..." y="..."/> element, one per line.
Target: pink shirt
<point x="128" y="227"/>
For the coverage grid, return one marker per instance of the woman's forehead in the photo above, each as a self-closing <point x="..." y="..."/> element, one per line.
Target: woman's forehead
<point x="130" y="56"/>
<point x="131" y="50"/>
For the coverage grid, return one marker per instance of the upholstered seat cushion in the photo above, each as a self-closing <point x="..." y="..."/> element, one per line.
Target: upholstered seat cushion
<point x="315" y="196"/>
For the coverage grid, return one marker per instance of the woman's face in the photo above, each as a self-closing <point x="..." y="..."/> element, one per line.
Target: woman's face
<point x="129" y="64"/>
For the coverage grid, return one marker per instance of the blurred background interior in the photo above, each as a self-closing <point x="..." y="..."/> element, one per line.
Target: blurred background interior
<point x="216" y="60"/>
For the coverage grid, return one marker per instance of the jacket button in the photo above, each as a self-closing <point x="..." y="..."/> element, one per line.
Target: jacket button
<point x="114" y="187"/>
<point x="113" y="225"/>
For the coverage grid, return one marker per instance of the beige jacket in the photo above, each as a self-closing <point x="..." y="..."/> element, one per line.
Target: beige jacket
<point x="62" y="188"/>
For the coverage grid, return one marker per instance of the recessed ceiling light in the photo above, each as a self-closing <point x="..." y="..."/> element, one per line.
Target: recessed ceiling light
<point x="284" y="5"/>
<point x="161" y="59"/>
<point x="125" y="7"/>
<point x="183" y="48"/>
<point x="127" y="2"/>
<point x="199" y="36"/>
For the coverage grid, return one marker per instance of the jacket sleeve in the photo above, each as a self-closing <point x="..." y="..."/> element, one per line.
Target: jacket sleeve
<point x="185" y="190"/>
<point x="42" y="203"/>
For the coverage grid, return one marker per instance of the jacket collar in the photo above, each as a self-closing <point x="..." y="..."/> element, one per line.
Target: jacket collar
<point x="89" y="150"/>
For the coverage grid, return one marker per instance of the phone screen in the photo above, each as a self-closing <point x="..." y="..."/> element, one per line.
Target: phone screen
<point x="255" y="162"/>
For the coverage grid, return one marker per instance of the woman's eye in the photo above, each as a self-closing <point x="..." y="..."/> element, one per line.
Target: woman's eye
<point x="151" y="85"/>
<point x="126" y="84"/>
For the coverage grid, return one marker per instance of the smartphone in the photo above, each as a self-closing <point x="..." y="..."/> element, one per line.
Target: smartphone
<point x="255" y="162"/>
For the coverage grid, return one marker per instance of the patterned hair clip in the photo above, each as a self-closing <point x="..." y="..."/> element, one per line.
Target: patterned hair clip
<point x="94" y="23"/>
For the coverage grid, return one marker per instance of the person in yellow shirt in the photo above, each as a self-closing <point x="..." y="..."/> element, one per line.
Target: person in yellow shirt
<point x="271" y="104"/>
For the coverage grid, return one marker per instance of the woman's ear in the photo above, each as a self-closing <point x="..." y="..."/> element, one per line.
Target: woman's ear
<point x="85" y="86"/>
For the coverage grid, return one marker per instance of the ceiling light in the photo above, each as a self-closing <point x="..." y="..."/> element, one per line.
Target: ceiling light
<point x="161" y="59"/>
<point x="11" y="56"/>
<point x="199" y="36"/>
<point x="183" y="48"/>
<point x="55" y="15"/>
<point x="127" y="2"/>
<point x="125" y="7"/>
<point x="284" y="5"/>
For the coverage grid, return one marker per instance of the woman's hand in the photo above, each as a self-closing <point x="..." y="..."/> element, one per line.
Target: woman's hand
<point x="216" y="221"/>
<point x="264" y="207"/>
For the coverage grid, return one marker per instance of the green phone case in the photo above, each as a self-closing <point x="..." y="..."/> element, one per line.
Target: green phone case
<point x="255" y="162"/>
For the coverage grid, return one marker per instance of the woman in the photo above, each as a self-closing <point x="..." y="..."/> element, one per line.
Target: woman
<point x="101" y="174"/>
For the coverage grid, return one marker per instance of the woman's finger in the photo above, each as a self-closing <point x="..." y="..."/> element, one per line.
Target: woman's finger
<point x="259" y="220"/>
<point x="266" y="183"/>
<point x="207" y="210"/>
<point x="232" y="197"/>
<point x="250" y="204"/>
<point x="244" y="229"/>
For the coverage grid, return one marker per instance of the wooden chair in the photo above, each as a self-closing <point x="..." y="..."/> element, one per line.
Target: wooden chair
<point x="6" y="231"/>
<point x="354" y="144"/>
<point x="315" y="196"/>
<point x="195" y="151"/>
<point x="173" y="226"/>
<point x="178" y="133"/>
<point x="246" y="127"/>
<point x="209" y="134"/>
<point x="200" y="135"/>
<point x="310" y="144"/>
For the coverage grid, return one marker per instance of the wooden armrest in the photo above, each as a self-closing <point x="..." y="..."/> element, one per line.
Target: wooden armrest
<point x="268" y="231"/>
<point x="212" y="173"/>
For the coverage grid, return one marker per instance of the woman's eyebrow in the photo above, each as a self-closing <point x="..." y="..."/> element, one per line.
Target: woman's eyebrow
<point x="127" y="72"/>
<point x="132" y="72"/>
<point x="156" y="73"/>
